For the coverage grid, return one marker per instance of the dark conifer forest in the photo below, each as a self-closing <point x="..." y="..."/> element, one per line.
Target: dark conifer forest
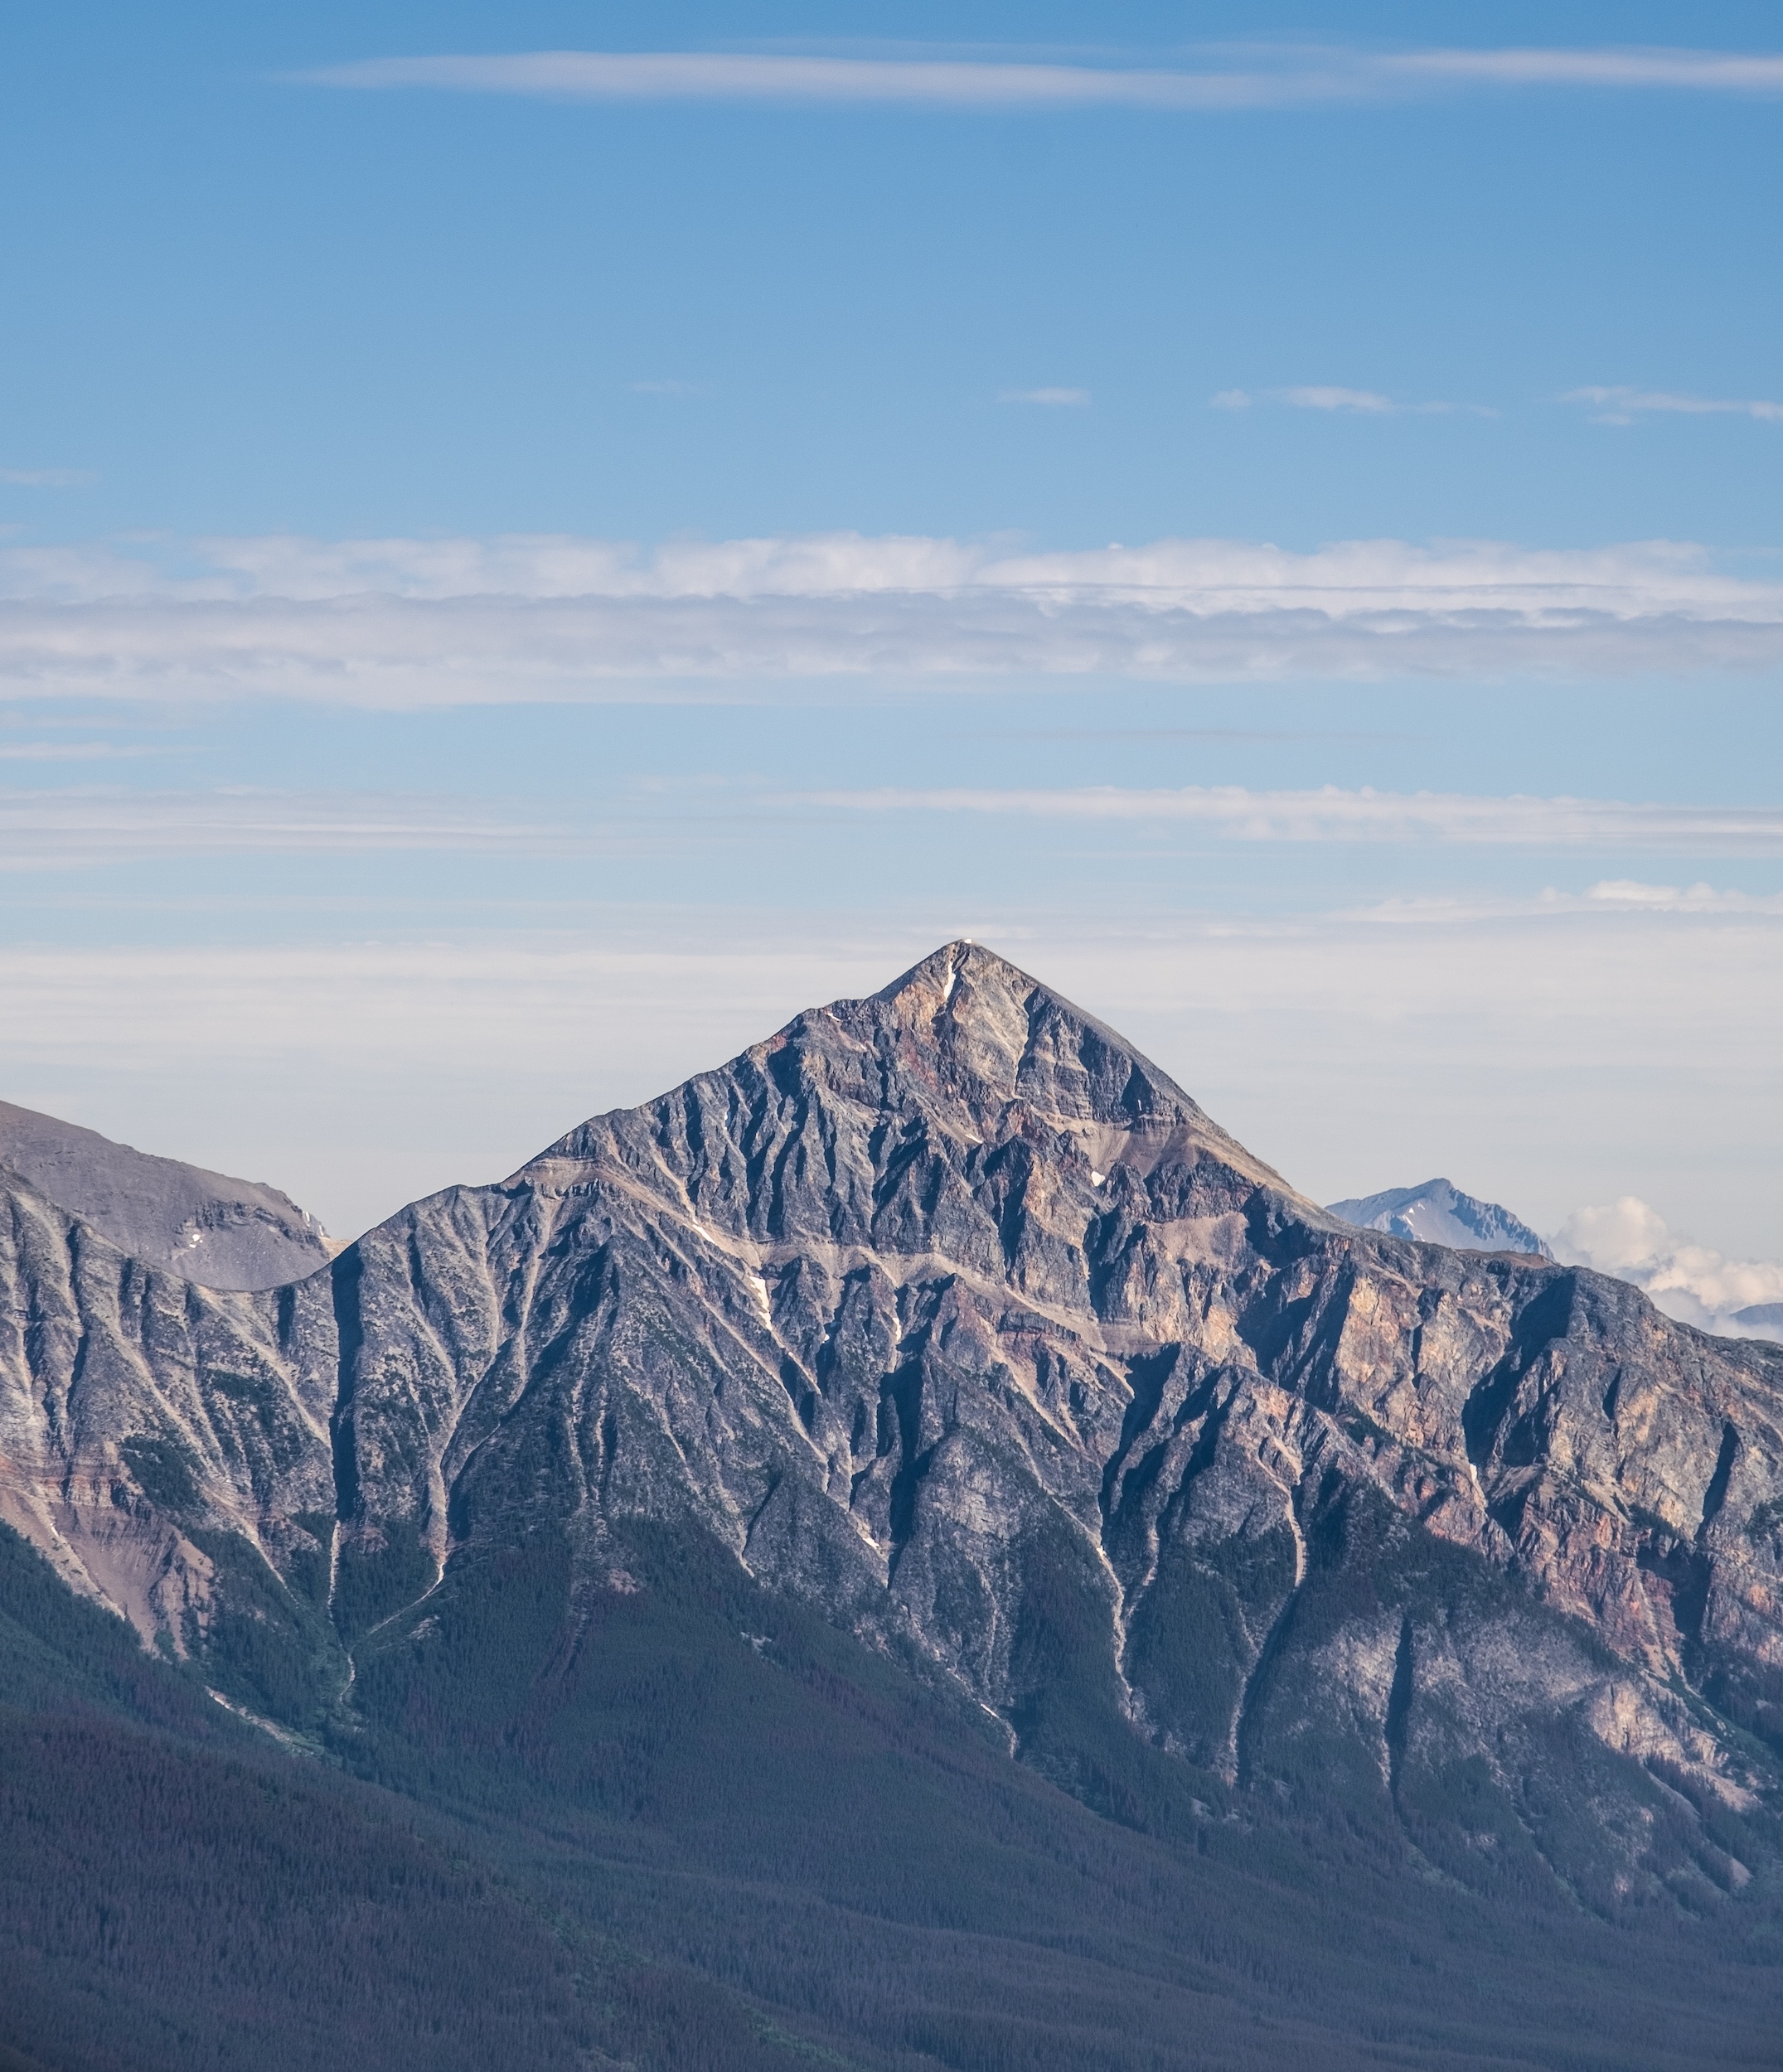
<point x="712" y="1835"/>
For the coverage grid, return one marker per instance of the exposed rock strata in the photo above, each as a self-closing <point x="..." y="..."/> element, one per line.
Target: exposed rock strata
<point x="945" y="1310"/>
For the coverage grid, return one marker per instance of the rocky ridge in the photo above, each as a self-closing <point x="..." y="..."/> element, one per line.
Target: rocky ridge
<point x="947" y="1312"/>
<point x="207" y="1227"/>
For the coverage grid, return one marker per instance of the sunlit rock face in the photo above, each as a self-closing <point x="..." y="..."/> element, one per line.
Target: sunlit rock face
<point x="950" y="1315"/>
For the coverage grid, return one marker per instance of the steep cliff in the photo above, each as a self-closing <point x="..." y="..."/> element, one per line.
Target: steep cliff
<point x="946" y="1314"/>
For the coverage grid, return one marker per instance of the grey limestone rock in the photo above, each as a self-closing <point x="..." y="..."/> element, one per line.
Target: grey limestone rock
<point x="947" y="1312"/>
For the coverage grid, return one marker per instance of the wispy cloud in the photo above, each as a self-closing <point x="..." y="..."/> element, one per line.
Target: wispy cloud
<point x="1622" y="406"/>
<point x="46" y="477"/>
<point x="520" y="617"/>
<point x="1641" y="69"/>
<point x="1331" y="815"/>
<point x="78" y="828"/>
<point x="1357" y="401"/>
<point x="1228" y="78"/>
<point x="1344" y="402"/>
<point x="76" y="751"/>
<point x="1048" y="398"/>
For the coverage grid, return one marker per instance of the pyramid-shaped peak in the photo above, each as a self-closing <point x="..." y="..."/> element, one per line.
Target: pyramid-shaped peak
<point x="968" y="987"/>
<point x="964" y="1034"/>
<point x="940" y="973"/>
<point x="1008" y="1036"/>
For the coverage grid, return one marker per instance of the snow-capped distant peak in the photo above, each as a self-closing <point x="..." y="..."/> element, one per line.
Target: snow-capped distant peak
<point x="1438" y="1213"/>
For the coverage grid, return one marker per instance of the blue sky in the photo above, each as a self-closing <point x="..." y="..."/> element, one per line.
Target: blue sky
<point x="399" y="758"/>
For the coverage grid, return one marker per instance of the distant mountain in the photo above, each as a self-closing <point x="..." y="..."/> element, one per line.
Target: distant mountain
<point x="1761" y="1319"/>
<point x="218" y="1232"/>
<point x="1439" y="1213"/>
<point x="916" y="1546"/>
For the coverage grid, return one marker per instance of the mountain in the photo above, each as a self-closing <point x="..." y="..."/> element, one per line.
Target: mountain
<point x="1761" y="1319"/>
<point x="1438" y="1213"/>
<point x="220" y="1232"/>
<point x="780" y="1517"/>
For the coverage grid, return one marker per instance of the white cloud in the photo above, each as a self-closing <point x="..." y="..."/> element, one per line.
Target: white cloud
<point x="46" y="477"/>
<point x="79" y="827"/>
<point x="1362" y="402"/>
<point x="1344" y="402"/>
<point x="1622" y="406"/>
<point x="417" y="623"/>
<point x="1630" y="894"/>
<point x="1631" y="1240"/>
<point x="1051" y="399"/>
<point x="1329" y="814"/>
<point x="1259" y="76"/>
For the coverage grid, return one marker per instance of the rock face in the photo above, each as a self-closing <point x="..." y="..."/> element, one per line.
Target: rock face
<point x="1439" y="1213"/>
<point x="220" y="1232"/>
<point x="947" y="1312"/>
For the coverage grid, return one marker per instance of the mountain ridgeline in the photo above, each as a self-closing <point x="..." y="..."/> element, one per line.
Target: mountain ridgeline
<point x="940" y="1349"/>
<point x="1439" y="1213"/>
<point x="204" y="1226"/>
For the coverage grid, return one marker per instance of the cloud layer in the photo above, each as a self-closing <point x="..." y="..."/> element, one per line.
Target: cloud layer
<point x="411" y="622"/>
<point x="1231" y="79"/>
<point x="1631" y="1240"/>
<point x="1623" y="405"/>
<point x="1331" y="814"/>
<point x="80" y="826"/>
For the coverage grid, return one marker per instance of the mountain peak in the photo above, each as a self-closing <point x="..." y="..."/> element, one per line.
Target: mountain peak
<point x="1007" y="1036"/>
<point x="1438" y="1212"/>
<point x="1012" y="1051"/>
<point x="941" y="969"/>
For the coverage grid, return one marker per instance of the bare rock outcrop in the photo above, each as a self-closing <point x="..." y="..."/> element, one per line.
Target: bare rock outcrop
<point x="950" y="1315"/>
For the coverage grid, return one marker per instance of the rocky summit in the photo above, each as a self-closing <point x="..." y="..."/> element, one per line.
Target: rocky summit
<point x="947" y="1316"/>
